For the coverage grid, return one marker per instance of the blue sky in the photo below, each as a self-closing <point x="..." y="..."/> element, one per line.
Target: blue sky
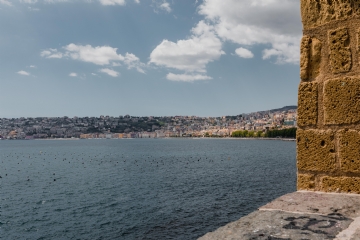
<point x="147" y="57"/>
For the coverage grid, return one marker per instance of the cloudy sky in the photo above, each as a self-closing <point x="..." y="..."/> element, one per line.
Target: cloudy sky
<point x="147" y="57"/>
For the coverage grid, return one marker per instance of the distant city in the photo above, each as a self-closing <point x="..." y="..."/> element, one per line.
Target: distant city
<point x="145" y="127"/>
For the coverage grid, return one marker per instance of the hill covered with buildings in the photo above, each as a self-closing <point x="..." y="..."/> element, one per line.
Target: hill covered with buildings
<point x="145" y="127"/>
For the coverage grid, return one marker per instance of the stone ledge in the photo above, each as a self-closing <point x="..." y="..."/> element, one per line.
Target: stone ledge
<point x="299" y="215"/>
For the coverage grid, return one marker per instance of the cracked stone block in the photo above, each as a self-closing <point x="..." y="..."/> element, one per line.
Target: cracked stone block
<point x="316" y="150"/>
<point x="340" y="53"/>
<point x="342" y="101"/>
<point x="340" y="184"/>
<point x="308" y="104"/>
<point x="349" y="151"/>
<point x="317" y="12"/>
<point x="310" y="58"/>
<point x="305" y="182"/>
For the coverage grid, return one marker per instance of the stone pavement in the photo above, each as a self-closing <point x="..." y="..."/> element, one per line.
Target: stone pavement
<point x="298" y="216"/>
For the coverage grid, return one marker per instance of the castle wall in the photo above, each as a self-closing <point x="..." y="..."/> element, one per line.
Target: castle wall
<point x="328" y="137"/>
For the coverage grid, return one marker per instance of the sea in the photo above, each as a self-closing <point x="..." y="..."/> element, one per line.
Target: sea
<point x="137" y="188"/>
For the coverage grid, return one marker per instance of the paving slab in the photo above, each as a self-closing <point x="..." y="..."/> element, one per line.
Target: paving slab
<point x="276" y="225"/>
<point x="298" y="216"/>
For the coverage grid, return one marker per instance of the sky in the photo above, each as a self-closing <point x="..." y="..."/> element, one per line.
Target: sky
<point x="147" y="57"/>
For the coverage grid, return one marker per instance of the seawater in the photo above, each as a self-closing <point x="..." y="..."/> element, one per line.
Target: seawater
<point x="137" y="188"/>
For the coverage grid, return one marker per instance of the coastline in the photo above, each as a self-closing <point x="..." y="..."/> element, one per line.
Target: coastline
<point x="224" y="138"/>
<point x="232" y="138"/>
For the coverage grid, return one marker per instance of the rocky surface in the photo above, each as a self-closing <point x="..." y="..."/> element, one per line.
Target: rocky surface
<point x="298" y="216"/>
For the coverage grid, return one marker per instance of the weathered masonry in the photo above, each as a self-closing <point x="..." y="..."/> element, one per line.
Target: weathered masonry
<point x="328" y="137"/>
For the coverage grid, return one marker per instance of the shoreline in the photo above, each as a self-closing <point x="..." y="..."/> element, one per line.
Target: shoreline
<point x="231" y="138"/>
<point x="224" y="138"/>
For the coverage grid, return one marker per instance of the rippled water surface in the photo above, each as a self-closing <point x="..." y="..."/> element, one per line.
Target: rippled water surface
<point x="137" y="189"/>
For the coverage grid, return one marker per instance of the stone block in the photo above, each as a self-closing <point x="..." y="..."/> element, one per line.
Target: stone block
<point x="308" y="104"/>
<point x="315" y="58"/>
<point x="340" y="53"/>
<point x="340" y="184"/>
<point x="316" y="150"/>
<point x="342" y="101"/>
<point x="349" y="151"/>
<point x="344" y="8"/>
<point x="305" y="182"/>
<point x="358" y="40"/>
<point x="304" y="58"/>
<point x="317" y="12"/>
<point x="310" y="58"/>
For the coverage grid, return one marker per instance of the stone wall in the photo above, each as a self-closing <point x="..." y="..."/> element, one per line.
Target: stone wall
<point x="328" y="137"/>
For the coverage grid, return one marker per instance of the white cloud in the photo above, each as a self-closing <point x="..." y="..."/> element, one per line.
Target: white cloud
<point x="246" y="23"/>
<point x="140" y="70"/>
<point x="56" y="1"/>
<point x="251" y="22"/>
<point x="261" y="13"/>
<point x="102" y="2"/>
<point x="109" y="72"/>
<point x="29" y="1"/>
<point x="33" y="9"/>
<point x="165" y="6"/>
<point x="51" y="53"/>
<point x="45" y="53"/>
<point x="112" y="2"/>
<point x="23" y="73"/>
<point x="244" y="53"/>
<point x="132" y="61"/>
<point x="56" y="55"/>
<point x="73" y="74"/>
<point x="5" y="2"/>
<point x="162" y="5"/>
<point x="100" y="55"/>
<point x="192" y="54"/>
<point x="186" y="77"/>
<point x="32" y="66"/>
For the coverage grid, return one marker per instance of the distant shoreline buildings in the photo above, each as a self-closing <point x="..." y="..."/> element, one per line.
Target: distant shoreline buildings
<point x="144" y="127"/>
